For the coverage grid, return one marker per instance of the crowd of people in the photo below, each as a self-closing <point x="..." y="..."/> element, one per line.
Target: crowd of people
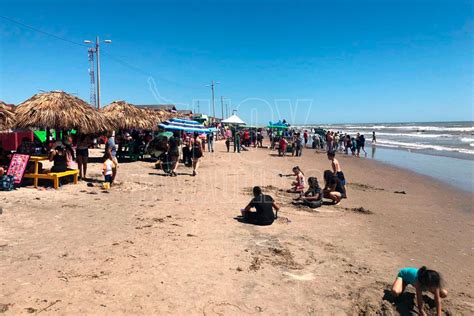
<point x="337" y="141"/>
<point x="72" y="152"/>
<point x="421" y="279"/>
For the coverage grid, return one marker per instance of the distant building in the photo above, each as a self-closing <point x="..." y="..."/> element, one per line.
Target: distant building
<point x="185" y="112"/>
<point x="159" y="107"/>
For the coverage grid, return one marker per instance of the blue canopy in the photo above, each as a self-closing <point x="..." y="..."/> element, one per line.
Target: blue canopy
<point x="278" y="125"/>
<point x="187" y="126"/>
<point x="177" y="120"/>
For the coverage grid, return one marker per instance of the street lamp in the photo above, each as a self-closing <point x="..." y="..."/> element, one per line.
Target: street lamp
<point x="96" y="50"/>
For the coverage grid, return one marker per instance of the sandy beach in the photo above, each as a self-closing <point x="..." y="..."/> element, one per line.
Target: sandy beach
<point x="160" y="245"/>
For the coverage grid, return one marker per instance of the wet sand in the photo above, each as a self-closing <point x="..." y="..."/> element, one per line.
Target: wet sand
<point x="160" y="245"/>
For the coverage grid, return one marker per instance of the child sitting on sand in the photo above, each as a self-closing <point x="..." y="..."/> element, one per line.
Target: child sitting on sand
<point x="423" y="280"/>
<point x="107" y="169"/>
<point x="332" y="187"/>
<point x="313" y="197"/>
<point x="336" y="169"/>
<point x="298" y="185"/>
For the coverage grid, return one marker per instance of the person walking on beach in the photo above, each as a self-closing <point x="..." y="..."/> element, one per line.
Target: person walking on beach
<point x="421" y="279"/>
<point x="282" y="146"/>
<point x="306" y="137"/>
<point x="298" y="145"/>
<point x="111" y="147"/>
<point x="264" y="205"/>
<point x="107" y="169"/>
<point x="259" y="139"/>
<point x="210" y="142"/>
<point x="196" y="153"/>
<point x="353" y="146"/>
<point x="82" y="154"/>
<point x="329" y="141"/>
<point x="173" y="153"/>
<point x="357" y="138"/>
<point x="336" y="169"/>
<point x="227" y="143"/>
<point x="236" y="141"/>
<point x="374" y="138"/>
<point x="361" y="145"/>
<point x="347" y="144"/>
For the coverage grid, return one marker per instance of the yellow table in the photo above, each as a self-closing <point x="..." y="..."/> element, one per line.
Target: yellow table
<point x="36" y="175"/>
<point x="49" y="176"/>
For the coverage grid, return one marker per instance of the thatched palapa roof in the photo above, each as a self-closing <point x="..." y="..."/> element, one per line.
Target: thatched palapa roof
<point x="7" y="118"/>
<point x="57" y="109"/>
<point x="127" y="116"/>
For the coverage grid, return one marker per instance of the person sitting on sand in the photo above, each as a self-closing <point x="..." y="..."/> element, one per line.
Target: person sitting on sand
<point x="332" y="187"/>
<point x="423" y="280"/>
<point x="298" y="185"/>
<point x="336" y="169"/>
<point x="313" y="197"/>
<point x="264" y="205"/>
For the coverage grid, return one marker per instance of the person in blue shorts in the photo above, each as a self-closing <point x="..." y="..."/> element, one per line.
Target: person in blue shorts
<point x="421" y="279"/>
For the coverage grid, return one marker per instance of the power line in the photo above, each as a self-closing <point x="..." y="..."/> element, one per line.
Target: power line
<point x="116" y="59"/>
<point x="41" y="31"/>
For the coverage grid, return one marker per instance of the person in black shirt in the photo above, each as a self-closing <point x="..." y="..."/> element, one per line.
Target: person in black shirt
<point x="264" y="205"/>
<point x="173" y="152"/>
<point x="333" y="188"/>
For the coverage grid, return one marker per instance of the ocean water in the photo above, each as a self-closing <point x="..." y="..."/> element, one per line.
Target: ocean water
<point x="450" y="139"/>
<point x="441" y="150"/>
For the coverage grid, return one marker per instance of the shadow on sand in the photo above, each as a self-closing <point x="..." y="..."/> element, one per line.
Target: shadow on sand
<point x="405" y="303"/>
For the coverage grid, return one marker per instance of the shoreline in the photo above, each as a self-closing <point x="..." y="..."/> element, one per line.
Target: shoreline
<point x="156" y="244"/>
<point x="441" y="178"/>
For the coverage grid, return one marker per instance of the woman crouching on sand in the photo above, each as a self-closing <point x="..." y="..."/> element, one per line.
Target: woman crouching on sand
<point x="333" y="188"/>
<point x="299" y="184"/>
<point x="423" y="280"/>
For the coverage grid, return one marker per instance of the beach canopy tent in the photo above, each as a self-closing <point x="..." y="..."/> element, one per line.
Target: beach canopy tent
<point x="7" y="118"/>
<point x="59" y="110"/>
<point x="187" y="126"/>
<point x="277" y="125"/>
<point x="126" y="116"/>
<point x="233" y="120"/>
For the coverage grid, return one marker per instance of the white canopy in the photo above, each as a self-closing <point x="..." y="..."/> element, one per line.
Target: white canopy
<point x="233" y="119"/>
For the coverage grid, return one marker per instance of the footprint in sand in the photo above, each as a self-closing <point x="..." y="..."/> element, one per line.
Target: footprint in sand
<point x="304" y="277"/>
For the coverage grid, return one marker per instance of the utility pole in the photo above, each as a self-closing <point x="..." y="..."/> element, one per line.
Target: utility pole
<point x="227" y="109"/>
<point x="213" y="102"/>
<point x="198" y="108"/>
<point x="222" y="106"/>
<point x="97" y="52"/>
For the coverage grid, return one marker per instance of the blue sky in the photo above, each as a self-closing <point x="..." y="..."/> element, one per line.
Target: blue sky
<point x="305" y="61"/>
